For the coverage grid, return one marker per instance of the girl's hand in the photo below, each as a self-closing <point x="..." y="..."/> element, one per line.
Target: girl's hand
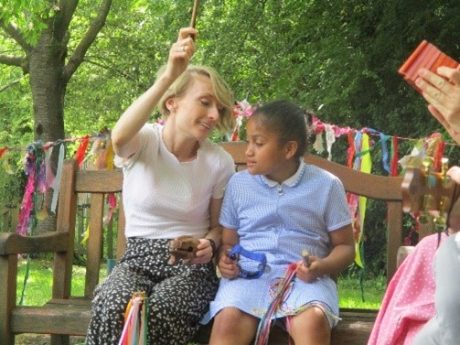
<point x="181" y="52"/>
<point x="204" y="252"/>
<point x="442" y="92"/>
<point x="228" y="267"/>
<point x="311" y="272"/>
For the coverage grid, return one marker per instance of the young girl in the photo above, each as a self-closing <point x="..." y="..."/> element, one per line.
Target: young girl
<point x="274" y="211"/>
<point x="173" y="185"/>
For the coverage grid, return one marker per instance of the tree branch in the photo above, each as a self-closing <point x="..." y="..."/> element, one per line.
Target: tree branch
<point x="109" y="67"/>
<point x="11" y="60"/>
<point x="67" y="9"/>
<point x="15" y="34"/>
<point x="15" y="61"/>
<point x="96" y="25"/>
<point x="7" y="86"/>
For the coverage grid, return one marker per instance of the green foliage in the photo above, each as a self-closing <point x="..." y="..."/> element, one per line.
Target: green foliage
<point x="27" y="15"/>
<point x="15" y="132"/>
<point x="340" y="56"/>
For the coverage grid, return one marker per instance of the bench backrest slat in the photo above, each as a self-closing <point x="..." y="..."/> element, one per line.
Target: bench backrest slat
<point x="65" y="222"/>
<point x="121" y="240"/>
<point x="95" y="243"/>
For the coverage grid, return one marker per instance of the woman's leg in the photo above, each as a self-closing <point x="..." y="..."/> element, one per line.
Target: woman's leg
<point x="178" y="303"/>
<point x="310" y="327"/>
<point x="112" y="296"/>
<point x="232" y="326"/>
<point x="109" y="304"/>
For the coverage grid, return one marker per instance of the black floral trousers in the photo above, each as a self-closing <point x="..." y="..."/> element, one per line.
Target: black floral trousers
<point x="178" y="296"/>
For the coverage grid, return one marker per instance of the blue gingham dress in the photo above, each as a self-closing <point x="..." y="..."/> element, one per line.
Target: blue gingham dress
<point x="281" y="220"/>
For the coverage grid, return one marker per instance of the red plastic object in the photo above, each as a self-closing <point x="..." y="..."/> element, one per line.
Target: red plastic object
<point x="428" y="56"/>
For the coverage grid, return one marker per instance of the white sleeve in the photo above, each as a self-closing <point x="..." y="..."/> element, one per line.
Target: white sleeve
<point x="147" y="137"/>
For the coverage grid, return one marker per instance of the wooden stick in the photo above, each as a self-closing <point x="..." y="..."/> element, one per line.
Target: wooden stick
<point x="194" y="12"/>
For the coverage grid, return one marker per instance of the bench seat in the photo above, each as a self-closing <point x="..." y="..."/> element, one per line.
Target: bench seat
<point x="71" y="316"/>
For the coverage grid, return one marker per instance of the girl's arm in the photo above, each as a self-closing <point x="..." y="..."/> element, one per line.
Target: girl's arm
<point x="340" y="257"/>
<point x="124" y="135"/>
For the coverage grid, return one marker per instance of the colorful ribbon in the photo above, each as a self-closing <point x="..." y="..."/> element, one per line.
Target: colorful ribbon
<point x="263" y="330"/>
<point x="135" y="326"/>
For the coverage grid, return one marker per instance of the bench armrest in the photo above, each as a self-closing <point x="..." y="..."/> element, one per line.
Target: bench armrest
<point x="11" y="243"/>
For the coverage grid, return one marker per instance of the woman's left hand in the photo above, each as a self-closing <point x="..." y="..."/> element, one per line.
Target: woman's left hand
<point x="442" y="92"/>
<point x="204" y="252"/>
<point x="181" y="52"/>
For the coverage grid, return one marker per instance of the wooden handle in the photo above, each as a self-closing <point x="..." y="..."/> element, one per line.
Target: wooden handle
<point x="194" y="12"/>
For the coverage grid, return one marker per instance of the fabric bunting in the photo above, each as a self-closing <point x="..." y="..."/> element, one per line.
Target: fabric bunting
<point x="34" y="170"/>
<point x="394" y="159"/>
<point x="111" y="201"/>
<point x="365" y="167"/>
<point x="81" y="151"/>
<point x="57" y="179"/>
<point x="383" y="144"/>
<point x="351" y="150"/>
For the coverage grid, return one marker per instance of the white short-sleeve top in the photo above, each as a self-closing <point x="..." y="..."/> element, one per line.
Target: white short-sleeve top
<point x="165" y="198"/>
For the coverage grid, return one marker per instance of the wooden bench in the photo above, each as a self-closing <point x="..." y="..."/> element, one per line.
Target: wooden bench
<point x="66" y="315"/>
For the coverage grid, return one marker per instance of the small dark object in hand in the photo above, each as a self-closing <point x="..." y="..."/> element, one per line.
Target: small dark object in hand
<point x="182" y="248"/>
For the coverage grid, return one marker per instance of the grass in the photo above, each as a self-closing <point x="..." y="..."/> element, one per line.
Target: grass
<point x="369" y="297"/>
<point x="39" y="282"/>
<point x="38" y="287"/>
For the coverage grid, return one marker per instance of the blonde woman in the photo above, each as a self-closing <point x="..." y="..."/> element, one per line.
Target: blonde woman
<point x="174" y="179"/>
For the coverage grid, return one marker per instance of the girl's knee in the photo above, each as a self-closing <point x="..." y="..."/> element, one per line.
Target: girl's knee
<point x="230" y="319"/>
<point x="229" y="316"/>
<point x="316" y="318"/>
<point x="232" y="326"/>
<point x="311" y="321"/>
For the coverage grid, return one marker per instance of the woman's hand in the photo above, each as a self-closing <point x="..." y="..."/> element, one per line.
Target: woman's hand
<point x="204" y="252"/>
<point x="181" y="52"/>
<point x="442" y="92"/>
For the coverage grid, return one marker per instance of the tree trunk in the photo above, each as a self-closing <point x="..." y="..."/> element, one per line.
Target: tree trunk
<point x="48" y="87"/>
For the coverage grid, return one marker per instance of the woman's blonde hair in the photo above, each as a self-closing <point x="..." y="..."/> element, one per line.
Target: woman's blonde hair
<point x="222" y="91"/>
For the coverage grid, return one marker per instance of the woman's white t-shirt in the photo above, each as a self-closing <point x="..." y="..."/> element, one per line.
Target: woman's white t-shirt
<point x="165" y="198"/>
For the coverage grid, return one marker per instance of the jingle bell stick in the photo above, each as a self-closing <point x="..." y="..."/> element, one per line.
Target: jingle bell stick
<point x="194" y="12"/>
<point x="306" y="258"/>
